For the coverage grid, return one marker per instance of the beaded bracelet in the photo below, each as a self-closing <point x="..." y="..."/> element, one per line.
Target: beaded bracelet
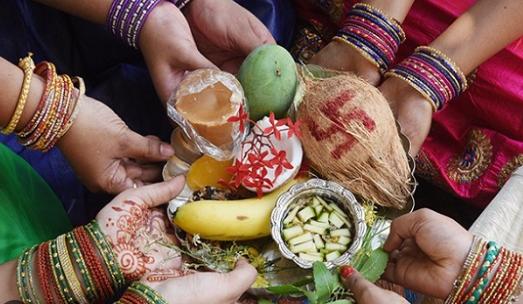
<point x="430" y="72"/>
<point x="139" y="293"/>
<point x="374" y="35"/>
<point x="126" y="19"/>
<point x="27" y="65"/>
<point x="84" y="271"/>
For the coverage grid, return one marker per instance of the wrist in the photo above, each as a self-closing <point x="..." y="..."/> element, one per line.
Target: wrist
<point x="156" y="23"/>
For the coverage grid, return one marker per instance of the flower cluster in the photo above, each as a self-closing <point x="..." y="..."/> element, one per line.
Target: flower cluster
<point x="259" y="154"/>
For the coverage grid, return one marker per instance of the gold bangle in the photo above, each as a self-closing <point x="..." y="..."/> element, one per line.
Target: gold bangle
<point x="68" y="269"/>
<point x="401" y="32"/>
<point x="415" y="87"/>
<point x="27" y="65"/>
<point x="76" y="111"/>
<point x="362" y="52"/>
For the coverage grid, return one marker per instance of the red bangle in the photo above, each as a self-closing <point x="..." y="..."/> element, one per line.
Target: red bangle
<point x="44" y="271"/>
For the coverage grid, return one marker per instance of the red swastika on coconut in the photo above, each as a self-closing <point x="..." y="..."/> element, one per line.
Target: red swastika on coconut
<point x="331" y="109"/>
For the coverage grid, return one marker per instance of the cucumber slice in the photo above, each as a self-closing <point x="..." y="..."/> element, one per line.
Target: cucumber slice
<point x="292" y="215"/>
<point x="338" y="210"/>
<point x="318" y="209"/>
<point x="323" y="203"/>
<point x="340" y="232"/>
<point x="291" y="232"/>
<point x="335" y="247"/>
<point x="314" y="202"/>
<point x="304" y="247"/>
<point x="332" y="256"/>
<point x="319" y="224"/>
<point x="310" y="257"/>
<point x="314" y="229"/>
<point x="318" y="242"/>
<point x="307" y="236"/>
<point x="306" y="214"/>
<point x="324" y="217"/>
<point x="344" y="240"/>
<point x="335" y="220"/>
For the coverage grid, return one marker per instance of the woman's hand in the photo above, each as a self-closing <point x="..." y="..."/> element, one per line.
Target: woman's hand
<point x="225" y="32"/>
<point x="106" y="154"/>
<point x="169" y="49"/>
<point x="342" y="57"/>
<point x="365" y="292"/>
<point x="427" y="252"/>
<point x="413" y="111"/>
<point x="138" y="232"/>
<point x="205" y="287"/>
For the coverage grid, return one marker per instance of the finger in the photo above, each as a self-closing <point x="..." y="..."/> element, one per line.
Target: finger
<point x="144" y="173"/>
<point x="254" y="34"/>
<point x="157" y="194"/>
<point x="404" y="227"/>
<point x="117" y="180"/>
<point x="147" y="149"/>
<point x="242" y="277"/>
<point x="360" y="287"/>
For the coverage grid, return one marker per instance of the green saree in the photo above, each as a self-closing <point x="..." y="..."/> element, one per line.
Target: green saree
<point x="30" y="212"/>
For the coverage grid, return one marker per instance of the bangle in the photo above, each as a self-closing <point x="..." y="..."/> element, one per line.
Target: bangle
<point x="84" y="271"/>
<point x="27" y="65"/>
<point x="44" y="272"/>
<point x="139" y="293"/>
<point x="68" y="270"/>
<point x="180" y="4"/>
<point x="430" y="72"/>
<point x="374" y="35"/>
<point x="126" y="19"/>
<point x="24" y="276"/>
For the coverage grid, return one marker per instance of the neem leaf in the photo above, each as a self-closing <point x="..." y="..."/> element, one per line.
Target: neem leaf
<point x="286" y="290"/>
<point x="325" y="281"/>
<point x="375" y="265"/>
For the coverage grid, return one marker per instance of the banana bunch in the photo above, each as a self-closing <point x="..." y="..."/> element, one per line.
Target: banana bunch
<point x="235" y="220"/>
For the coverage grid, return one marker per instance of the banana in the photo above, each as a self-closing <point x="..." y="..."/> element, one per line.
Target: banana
<point x="235" y="220"/>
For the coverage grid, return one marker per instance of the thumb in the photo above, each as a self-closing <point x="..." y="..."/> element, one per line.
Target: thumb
<point x="147" y="148"/>
<point x="242" y="277"/>
<point x="157" y="194"/>
<point x="252" y="34"/>
<point x="358" y="285"/>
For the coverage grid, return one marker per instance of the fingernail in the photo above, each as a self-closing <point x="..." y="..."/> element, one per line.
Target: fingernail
<point x="166" y="150"/>
<point x="346" y="271"/>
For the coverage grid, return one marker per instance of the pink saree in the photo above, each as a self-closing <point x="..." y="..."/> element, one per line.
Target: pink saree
<point x="476" y="142"/>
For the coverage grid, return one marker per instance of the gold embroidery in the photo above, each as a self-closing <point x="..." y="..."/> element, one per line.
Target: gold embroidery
<point x="473" y="162"/>
<point x="508" y="168"/>
<point x="426" y="170"/>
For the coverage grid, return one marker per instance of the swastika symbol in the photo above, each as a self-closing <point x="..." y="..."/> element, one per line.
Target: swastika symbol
<point x="331" y="109"/>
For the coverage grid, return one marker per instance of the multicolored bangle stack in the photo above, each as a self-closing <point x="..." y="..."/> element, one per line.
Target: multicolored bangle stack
<point x="491" y="274"/>
<point x="180" y="3"/>
<point x="126" y="19"/>
<point x="433" y="74"/>
<point x="138" y="293"/>
<point x="56" y="263"/>
<point x="373" y="34"/>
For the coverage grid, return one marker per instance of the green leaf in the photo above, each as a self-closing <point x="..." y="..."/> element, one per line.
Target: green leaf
<point x="375" y="265"/>
<point x="264" y="301"/>
<point x="325" y="281"/>
<point x="312" y="296"/>
<point x="341" y="302"/>
<point x="286" y="290"/>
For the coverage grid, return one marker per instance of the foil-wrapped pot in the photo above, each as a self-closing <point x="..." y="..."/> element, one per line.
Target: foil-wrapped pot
<point x="335" y="193"/>
<point x="202" y="104"/>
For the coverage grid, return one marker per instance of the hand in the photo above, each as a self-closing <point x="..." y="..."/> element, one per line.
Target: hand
<point x="428" y="251"/>
<point x="206" y="287"/>
<point x="342" y="57"/>
<point x="169" y="49"/>
<point x="138" y="233"/>
<point x="225" y="32"/>
<point x="413" y="111"/>
<point x="365" y="292"/>
<point x="106" y="154"/>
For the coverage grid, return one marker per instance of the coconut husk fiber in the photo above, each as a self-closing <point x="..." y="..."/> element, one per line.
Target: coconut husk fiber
<point x="350" y="136"/>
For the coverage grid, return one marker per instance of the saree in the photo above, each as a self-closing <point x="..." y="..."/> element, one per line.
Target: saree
<point x="30" y="212"/>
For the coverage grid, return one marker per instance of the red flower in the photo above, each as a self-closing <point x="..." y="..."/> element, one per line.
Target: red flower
<point x="273" y="129"/>
<point x="242" y="118"/>
<point x="294" y="128"/>
<point x="239" y="170"/>
<point x="281" y="162"/>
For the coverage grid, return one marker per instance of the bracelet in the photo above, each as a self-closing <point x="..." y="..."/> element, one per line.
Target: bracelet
<point x="138" y="293"/>
<point x="27" y="65"/>
<point x="68" y="270"/>
<point x="435" y="76"/>
<point x="374" y="35"/>
<point x="126" y="19"/>
<point x="180" y="4"/>
<point x="80" y="262"/>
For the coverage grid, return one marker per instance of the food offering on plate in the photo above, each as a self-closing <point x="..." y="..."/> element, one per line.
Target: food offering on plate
<point x="245" y="146"/>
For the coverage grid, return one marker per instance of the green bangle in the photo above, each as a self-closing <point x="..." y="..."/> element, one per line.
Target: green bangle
<point x="24" y="276"/>
<point x="59" y="275"/>
<point x="147" y="293"/>
<point x="107" y="254"/>
<point x="86" y="276"/>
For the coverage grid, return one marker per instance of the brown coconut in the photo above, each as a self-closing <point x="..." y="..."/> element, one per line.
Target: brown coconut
<point x="350" y="136"/>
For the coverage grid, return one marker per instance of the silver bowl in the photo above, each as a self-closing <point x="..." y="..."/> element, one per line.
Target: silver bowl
<point x="337" y="193"/>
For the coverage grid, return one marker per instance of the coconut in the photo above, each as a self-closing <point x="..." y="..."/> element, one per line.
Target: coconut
<point x="350" y="136"/>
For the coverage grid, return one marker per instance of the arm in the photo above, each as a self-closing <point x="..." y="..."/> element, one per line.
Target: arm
<point x="8" y="291"/>
<point x="394" y="9"/>
<point x="487" y="28"/>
